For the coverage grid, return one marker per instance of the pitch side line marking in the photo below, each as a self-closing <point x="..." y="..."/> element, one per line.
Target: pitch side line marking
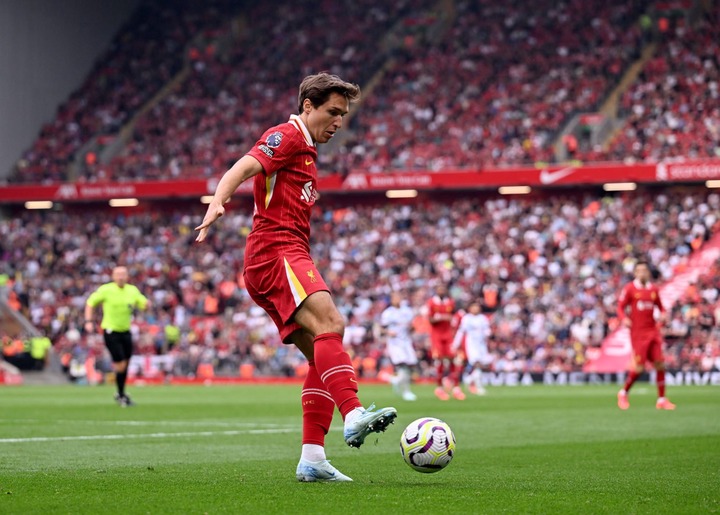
<point x="195" y="423"/>
<point x="146" y="435"/>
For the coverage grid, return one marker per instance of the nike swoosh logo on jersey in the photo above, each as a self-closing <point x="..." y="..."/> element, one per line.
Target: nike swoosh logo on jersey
<point x="308" y="162"/>
<point x="551" y="177"/>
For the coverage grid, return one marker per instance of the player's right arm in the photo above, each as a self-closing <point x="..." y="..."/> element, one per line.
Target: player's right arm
<point x="433" y="314"/>
<point x="244" y="168"/>
<point x="93" y="300"/>
<point x="385" y="323"/>
<point x="623" y="303"/>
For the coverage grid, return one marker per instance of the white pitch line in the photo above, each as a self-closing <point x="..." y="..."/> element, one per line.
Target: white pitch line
<point x="182" y="423"/>
<point x="146" y="435"/>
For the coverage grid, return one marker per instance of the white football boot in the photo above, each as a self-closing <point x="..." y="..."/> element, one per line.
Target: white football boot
<point x="368" y="421"/>
<point x="312" y="471"/>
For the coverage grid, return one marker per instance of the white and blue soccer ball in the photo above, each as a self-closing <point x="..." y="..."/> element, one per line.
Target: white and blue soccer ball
<point x="427" y="445"/>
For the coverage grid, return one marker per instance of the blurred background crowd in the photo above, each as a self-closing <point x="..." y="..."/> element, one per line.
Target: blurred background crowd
<point x="185" y="88"/>
<point x="547" y="271"/>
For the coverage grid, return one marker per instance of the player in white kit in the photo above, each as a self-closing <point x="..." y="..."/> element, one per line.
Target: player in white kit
<point x="396" y="324"/>
<point x="475" y="328"/>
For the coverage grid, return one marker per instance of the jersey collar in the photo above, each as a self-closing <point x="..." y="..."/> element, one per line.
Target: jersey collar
<point x="299" y="125"/>
<point x="640" y="286"/>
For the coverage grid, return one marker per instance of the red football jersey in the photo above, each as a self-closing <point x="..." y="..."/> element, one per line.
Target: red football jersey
<point x="284" y="193"/>
<point x="642" y="301"/>
<point x="438" y="306"/>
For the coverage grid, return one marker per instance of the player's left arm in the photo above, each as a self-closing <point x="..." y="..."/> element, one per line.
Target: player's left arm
<point x="141" y="301"/>
<point x="244" y="168"/>
<point x="384" y="324"/>
<point x="486" y="329"/>
<point x="663" y="314"/>
<point x="411" y="324"/>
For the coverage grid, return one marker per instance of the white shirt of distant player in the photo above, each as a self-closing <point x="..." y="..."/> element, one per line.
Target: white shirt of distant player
<point x="476" y="329"/>
<point x="398" y="321"/>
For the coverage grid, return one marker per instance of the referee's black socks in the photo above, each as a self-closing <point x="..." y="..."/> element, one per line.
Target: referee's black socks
<point x="120" y="380"/>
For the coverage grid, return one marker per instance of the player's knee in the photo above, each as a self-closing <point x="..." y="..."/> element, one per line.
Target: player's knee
<point x="334" y="327"/>
<point x="660" y="366"/>
<point x="334" y="323"/>
<point x="328" y="323"/>
<point x="120" y="366"/>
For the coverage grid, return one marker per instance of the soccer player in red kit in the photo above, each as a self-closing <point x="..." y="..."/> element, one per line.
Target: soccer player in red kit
<point x="280" y="274"/>
<point x="643" y="297"/>
<point x="441" y="309"/>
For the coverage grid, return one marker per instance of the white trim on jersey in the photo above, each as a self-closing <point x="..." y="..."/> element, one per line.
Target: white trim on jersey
<point x="299" y="125"/>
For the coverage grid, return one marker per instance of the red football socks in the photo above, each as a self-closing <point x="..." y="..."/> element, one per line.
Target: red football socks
<point x="440" y="370"/>
<point x="632" y="377"/>
<point x="455" y="373"/>
<point x="661" y="383"/>
<point x="336" y="372"/>
<point x="317" y="407"/>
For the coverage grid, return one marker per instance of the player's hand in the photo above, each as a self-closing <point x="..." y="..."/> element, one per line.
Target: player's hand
<point x="89" y="326"/>
<point x="627" y="322"/>
<point x="214" y="212"/>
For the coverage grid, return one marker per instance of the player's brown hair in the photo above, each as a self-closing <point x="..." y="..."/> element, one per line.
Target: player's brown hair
<point x="318" y="88"/>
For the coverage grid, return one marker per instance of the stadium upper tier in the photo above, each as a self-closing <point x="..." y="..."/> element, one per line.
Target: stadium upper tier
<point x="145" y="54"/>
<point x="449" y="84"/>
<point x="549" y="269"/>
<point x="673" y="109"/>
<point x="497" y="87"/>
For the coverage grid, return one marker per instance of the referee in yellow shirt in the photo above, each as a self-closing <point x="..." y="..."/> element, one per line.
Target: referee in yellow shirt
<point x="118" y="300"/>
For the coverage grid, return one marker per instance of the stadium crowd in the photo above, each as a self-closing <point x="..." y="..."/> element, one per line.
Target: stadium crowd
<point x="673" y="109"/>
<point x="502" y="107"/>
<point x="547" y="270"/>
<point x="497" y="88"/>
<point x="231" y="97"/>
<point x="145" y="54"/>
<point x="472" y="84"/>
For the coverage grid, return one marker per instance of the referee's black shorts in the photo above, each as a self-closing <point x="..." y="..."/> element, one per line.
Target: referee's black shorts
<point x="119" y="344"/>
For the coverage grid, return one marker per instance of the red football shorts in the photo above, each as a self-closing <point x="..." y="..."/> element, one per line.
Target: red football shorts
<point x="280" y="286"/>
<point x="441" y="346"/>
<point x="647" y="348"/>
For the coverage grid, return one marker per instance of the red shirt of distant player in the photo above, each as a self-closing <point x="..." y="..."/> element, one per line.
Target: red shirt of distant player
<point x="644" y="331"/>
<point x="440" y="313"/>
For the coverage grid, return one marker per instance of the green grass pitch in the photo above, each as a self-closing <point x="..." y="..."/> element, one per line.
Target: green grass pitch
<point x="233" y="449"/>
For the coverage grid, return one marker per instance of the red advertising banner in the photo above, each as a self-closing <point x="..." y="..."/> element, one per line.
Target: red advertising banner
<point x="557" y="175"/>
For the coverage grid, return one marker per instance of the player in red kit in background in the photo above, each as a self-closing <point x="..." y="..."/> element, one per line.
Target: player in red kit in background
<point x="441" y="309"/>
<point x="281" y="277"/>
<point x="643" y="297"/>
